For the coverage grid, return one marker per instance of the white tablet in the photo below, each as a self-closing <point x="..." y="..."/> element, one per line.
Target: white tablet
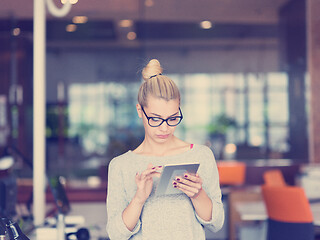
<point x="170" y="172"/>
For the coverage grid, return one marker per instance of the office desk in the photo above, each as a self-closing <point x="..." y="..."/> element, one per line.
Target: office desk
<point x="91" y="215"/>
<point x="236" y="196"/>
<point x="256" y="211"/>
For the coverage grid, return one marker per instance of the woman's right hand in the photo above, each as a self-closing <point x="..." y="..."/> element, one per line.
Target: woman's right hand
<point x="144" y="182"/>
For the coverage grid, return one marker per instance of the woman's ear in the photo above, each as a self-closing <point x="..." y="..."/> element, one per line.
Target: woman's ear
<point x="139" y="111"/>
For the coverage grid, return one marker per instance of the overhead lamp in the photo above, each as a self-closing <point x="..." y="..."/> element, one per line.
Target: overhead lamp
<point x="149" y="3"/>
<point x="131" y="35"/>
<point x="71" y="28"/>
<point x="230" y="148"/>
<point x="94" y="181"/>
<point x="79" y="19"/>
<point x="71" y="1"/>
<point x="16" y="32"/>
<point x="125" y="23"/>
<point x="206" y="24"/>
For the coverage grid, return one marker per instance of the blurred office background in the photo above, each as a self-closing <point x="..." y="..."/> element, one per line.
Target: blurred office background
<point x="241" y="67"/>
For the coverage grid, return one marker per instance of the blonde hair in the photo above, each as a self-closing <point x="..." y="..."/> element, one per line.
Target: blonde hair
<point x="156" y="84"/>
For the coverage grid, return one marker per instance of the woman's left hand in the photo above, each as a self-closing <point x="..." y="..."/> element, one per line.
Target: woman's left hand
<point x="190" y="184"/>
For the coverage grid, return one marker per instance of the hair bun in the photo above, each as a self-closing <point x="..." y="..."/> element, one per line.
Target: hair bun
<point x="153" y="68"/>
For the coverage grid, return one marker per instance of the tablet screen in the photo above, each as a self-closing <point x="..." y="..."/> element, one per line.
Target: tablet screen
<point x="170" y="172"/>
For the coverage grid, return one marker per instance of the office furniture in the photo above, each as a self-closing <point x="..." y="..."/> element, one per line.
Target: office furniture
<point x="289" y="213"/>
<point x="231" y="172"/>
<point x="255" y="170"/>
<point x="274" y="177"/>
<point x="239" y="196"/>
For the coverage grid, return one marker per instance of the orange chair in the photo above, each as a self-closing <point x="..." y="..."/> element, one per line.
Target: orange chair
<point x="289" y="213"/>
<point x="231" y="172"/>
<point x="274" y="177"/>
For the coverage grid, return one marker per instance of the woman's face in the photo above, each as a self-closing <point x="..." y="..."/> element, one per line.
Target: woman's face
<point x="159" y="108"/>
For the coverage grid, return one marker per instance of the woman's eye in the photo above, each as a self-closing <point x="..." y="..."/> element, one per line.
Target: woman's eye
<point x="155" y="119"/>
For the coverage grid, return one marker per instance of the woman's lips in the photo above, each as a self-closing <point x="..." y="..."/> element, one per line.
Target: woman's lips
<point x="163" y="136"/>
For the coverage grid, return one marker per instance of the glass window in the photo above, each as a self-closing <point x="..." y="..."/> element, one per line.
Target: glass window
<point x="278" y="107"/>
<point x="102" y="116"/>
<point x="256" y="135"/>
<point x="278" y="139"/>
<point x="256" y="107"/>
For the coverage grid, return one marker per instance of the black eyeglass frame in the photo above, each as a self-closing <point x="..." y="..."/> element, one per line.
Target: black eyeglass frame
<point x="164" y="120"/>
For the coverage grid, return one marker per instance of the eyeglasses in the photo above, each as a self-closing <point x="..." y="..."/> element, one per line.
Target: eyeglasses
<point x="157" y="121"/>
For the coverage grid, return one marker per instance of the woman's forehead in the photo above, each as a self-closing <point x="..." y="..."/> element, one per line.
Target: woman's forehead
<point x="162" y="107"/>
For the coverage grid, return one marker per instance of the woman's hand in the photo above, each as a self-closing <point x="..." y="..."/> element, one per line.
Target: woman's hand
<point x="144" y="182"/>
<point x="190" y="184"/>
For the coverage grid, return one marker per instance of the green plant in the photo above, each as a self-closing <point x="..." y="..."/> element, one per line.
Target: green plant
<point x="221" y="124"/>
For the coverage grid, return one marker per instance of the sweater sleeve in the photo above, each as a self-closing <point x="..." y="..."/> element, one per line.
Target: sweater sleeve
<point x="210" y="176"/>
<point x="116" y="203"/>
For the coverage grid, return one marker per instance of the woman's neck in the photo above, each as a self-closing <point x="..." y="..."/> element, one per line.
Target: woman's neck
<point x="173" y="146"/>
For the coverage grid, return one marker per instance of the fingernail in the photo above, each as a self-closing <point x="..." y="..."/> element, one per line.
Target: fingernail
<point x="186" y="175"/>
<point x="174" y="186"/>
<point x="153" y="168"/>
<point x="159" y="166"/>
<point x="178" y="179"/>
<point x="174" y="183"/>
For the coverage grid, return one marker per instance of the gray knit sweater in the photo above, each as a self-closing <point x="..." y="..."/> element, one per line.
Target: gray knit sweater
<point x="163" y="217"/>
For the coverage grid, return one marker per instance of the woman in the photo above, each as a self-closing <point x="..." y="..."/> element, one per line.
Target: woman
<point x="134" y="211"/>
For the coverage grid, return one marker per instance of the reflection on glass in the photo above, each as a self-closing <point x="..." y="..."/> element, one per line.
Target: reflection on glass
<point x="102" y="116"/>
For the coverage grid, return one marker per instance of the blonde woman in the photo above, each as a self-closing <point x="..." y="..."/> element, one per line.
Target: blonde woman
<point x="134" y="211"/>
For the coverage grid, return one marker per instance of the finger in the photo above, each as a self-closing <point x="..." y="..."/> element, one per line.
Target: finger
<point x="141" y="179"/>
<point x="193" y="189"/>
<point x="193" y="177"/>
<point x="158" y="169"/>
<point x="149" y="172"/>
<point x="188" y="193"/>
<point x="189" y="183"/>
<point x="154" y="172"/>
<point x="184" y="190"/>
<point x="137" y="177"/>
<point x="150" y="166"/>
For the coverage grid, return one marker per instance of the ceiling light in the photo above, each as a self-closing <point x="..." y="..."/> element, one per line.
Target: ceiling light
<point x="80" y="19"/>
<point x="125" y="23"/>
<point x="16" y="32"/>
<point x="148" y="3"/>
<point x="131" y="35"/>
<point x="206" y="25"/>
<point x="71" y="27"/>
<point x="71" y="1"/>
<point x="94" y="181"/>
<point x="230" y="148"/>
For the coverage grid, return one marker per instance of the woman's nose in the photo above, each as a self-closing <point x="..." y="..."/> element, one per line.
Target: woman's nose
<point x="164" y="126"/>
